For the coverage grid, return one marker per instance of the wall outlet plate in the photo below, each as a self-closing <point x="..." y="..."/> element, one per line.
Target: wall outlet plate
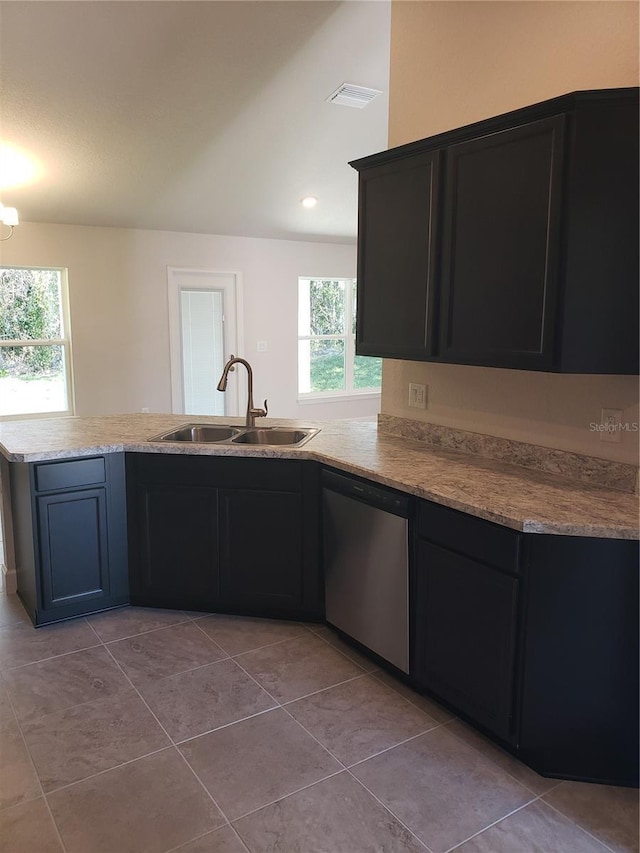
<point x="611" y="425"/>
<point x="417" y="396"/>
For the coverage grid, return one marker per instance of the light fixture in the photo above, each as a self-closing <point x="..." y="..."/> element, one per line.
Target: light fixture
<point x="8" y="217"/>
<point x="309" y="201"/>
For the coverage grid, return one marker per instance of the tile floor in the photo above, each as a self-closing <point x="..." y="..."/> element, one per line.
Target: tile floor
<point x="146" y="731"/>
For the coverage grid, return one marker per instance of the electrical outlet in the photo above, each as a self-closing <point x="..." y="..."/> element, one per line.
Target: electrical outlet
<point x="417" y="396"/>
<point x="261" y="346"/>
<point x="145" y="410"/>
<point x="611" y="425"/>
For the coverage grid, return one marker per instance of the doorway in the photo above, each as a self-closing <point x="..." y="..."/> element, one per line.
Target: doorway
<point x="204" y="332"/>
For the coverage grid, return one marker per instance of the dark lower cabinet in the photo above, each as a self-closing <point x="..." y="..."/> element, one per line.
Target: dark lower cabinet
<point x="465" y="635"/>
<point x="225" y="534"/>
<point x="176" y="547"/>
<point x="74" y="552"/>
<point x="532" y="637"/>
<point x="70" y="536"/>
<point x="262" y="546"/>
<point x="580" y="713"/>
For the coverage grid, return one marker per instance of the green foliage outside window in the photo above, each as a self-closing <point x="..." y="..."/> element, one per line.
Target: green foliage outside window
<point x="30" y="311"/>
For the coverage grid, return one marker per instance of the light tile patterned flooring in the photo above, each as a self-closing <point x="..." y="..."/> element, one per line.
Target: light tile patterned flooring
<point x="146" y="731"/>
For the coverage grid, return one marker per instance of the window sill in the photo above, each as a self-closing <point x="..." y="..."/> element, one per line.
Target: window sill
<point x="32" y="416"/>
<point x="314" y="399"/>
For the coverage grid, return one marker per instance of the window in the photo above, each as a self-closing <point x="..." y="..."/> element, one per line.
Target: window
<point x="35" y="343"/>
<point x="327" y="362"/>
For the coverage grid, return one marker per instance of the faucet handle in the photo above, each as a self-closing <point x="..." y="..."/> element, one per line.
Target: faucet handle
<point x="266" y="409"/>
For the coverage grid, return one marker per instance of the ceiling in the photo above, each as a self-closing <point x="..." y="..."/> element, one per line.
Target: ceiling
<point x="205" y="117"/>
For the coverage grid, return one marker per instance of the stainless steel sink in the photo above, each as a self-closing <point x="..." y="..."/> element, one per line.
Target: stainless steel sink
<point x="223" y="434"/>
<point x="274" y="436"/>
<point x="198" y="433"/>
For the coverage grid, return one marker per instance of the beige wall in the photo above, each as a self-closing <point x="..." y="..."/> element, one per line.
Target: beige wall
<point x="453" y="63"/>
<point x="119" y="309"/>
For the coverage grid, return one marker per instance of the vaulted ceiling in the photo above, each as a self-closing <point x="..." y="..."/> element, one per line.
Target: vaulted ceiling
<point x="193" y="116"/>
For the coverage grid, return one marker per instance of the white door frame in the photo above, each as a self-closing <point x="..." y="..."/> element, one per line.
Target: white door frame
<point x="204" y="279"/>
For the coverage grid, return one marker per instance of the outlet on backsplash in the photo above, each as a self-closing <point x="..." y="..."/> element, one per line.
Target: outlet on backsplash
<point x="417" y="396"/>
<point x="611" y="425"/>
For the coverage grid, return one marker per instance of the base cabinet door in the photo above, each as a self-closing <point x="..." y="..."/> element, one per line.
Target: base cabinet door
<point x="224" y="534"/>
<point x="177" y="547"/>
<point x="74" y="552"/>
<point x="465" y="635"/>
<point x="70" y="533"/>
<point x="262" y="549"/>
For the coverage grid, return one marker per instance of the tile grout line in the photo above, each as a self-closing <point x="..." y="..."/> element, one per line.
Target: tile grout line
<point x="341" y="763"/>
<point x="107" y="770"/>
<point x="191" y="738"/>
<point x="35" y="771"/>
<point x="393" y="746"/>
<point x="415" y="704"/>
<point x="495" y="763"/>
<point x="179" y="752"/>
<point x="494" y="823"/>
<point x="291" y="794"/>
<point x="385" y="806"/>
<point x="51" y="657"/>
<point x="247" y="651"/>
<point x="278" y="705"/>
<point x="575" y="823"/>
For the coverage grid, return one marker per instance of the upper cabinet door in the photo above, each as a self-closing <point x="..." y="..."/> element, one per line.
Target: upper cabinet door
<point x="501" y="247"/>
<point x="397" y="258"/>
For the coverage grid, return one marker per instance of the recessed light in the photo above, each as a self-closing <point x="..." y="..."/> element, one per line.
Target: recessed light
<point x="309" y="201"/>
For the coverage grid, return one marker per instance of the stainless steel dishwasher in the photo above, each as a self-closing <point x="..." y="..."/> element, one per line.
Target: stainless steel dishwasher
<point x="366" y="564"/>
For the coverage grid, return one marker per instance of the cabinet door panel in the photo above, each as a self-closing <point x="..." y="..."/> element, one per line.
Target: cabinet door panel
<point x="465" y="635"/>
<point x="397" y="257"/>
<point x="177" y="542"/>
<point x="261" y="548"/>
<point x="501" y="246"/>
<point x="73" y="543"/>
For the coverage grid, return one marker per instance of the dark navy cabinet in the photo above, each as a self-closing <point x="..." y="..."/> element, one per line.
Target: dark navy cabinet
<point x="225" y="534"/>
<point x="512" y="242"/>
<point x="466" y="600"/>
<point x="532" y="637"/>
<point x="70" y="532"/>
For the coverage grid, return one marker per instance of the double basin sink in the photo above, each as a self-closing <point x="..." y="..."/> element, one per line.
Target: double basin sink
<point x="226" y="434"/>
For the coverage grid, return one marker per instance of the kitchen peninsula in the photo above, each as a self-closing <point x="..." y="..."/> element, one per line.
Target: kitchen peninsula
<point x="536" y="573"/>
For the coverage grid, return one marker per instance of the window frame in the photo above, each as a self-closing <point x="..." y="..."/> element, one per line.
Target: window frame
<point x="349" y="338"/>
<point x="64" y="342"/>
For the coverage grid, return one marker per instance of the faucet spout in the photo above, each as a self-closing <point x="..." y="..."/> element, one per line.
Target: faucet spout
<point x="252" y="413"/>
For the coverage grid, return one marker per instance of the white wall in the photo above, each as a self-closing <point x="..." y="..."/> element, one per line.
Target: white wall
<point x="119" y="309"/>
<point x="468" y="61"/>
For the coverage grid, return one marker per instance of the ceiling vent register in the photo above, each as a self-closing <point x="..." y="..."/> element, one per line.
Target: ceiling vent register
<point x="350" y="95"/>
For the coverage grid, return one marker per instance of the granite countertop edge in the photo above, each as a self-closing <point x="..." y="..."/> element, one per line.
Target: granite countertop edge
<point x="499" y="492"/>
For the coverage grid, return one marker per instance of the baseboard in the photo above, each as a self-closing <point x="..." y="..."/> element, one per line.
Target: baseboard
<point x="8" y="580"/>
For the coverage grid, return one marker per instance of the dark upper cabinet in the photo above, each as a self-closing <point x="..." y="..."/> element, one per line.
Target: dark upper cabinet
<point x="71" y="537"/>
<point x="396" y="258"/>
<point x="501" y="247"/>
<point x="511" y="243"/>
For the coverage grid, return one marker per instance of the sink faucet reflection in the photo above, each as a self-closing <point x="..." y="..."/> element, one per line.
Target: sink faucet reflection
<point x="252" y="413"/>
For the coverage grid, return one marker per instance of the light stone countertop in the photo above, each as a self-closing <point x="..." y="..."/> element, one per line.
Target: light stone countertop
<point x="497" y="491"/>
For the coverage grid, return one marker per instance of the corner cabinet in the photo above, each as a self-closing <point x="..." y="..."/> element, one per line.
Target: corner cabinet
<point x="512" y="242"/>
<point x="533" y="638"/>
<point x="70" y="536"/>
<point x="225" y="534"/>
